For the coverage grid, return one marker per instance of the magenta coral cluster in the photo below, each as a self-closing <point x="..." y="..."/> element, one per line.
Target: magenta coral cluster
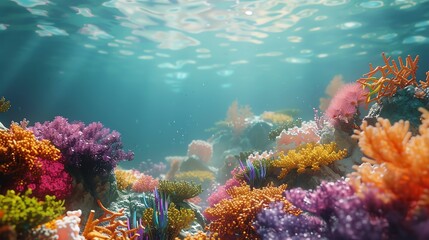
<point x="53" y="181"/>
<point x="91" y="148"/>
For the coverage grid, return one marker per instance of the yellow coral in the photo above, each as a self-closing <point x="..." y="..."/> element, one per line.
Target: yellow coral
<point x="276" y="118"/>
<point x="195" y="176"/>
<point x="124" y="179"/>
<point x="396" y="163"/>
<point x="20" y="150"/>
<point x="310" y="155"/>
<point x="234" y="217"/>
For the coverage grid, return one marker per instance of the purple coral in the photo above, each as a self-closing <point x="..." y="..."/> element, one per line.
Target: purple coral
<point x="346" y="215"/>
<point x="275" y="224"/>
<point x="90" y="148"/>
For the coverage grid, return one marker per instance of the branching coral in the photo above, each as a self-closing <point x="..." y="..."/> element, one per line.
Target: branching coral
<point x="20" y="154"/>
<point x="4" y="105"/>
<point x="308" y="156"/>
<point x="393" y="77"/>
<point x="108" y="226"/>
<point x="179" y="190"/>
<point x="25" y="212"/>
<point x="233" y="218"/>
<point x="396" y="163"/>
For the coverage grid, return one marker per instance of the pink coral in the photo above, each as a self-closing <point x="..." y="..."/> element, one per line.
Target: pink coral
<point x="202" y="149"/>
<point x="345" y="103"/>
<point x="221" y="192"/>
<point x="145" y="183"/>
<point x="293" y="137"/>
<point x="53" y="181"/>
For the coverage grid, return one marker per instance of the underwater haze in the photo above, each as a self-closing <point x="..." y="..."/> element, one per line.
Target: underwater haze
<point x="162" y="72"/>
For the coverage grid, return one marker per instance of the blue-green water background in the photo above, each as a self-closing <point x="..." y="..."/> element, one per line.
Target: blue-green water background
<point x="161" y="72"/>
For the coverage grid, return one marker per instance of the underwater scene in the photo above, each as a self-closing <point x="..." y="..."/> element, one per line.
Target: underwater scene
<point x="214" y="119"/>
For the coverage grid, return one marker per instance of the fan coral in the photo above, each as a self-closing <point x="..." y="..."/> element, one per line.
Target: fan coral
<point x="25" y="212"/>
<point x="396" y="163"/>
<point x="308" y="156"/>
<point x="179" y="190"/>
<point x="4" y="105"/>
<point x="393" y="77"/>
<point x="345" y="104"/>
<point x="293" y="137"/>
<point x="233" y="218"/>
<point x="202" y="149"/>
<point x="20" y="154"/>
<point x="89" y="149"/>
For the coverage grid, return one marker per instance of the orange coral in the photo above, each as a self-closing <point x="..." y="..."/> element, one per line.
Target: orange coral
<point x="233" y="217"/>
<point x="107" y="226"/>
<point x="20" y="152"/>
<point x="396" y="163"/>
<point x="393" y="77"/>
<point x="310" y="155"/>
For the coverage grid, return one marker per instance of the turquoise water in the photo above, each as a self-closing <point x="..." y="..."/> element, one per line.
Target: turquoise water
<point x="161" y="72"/>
